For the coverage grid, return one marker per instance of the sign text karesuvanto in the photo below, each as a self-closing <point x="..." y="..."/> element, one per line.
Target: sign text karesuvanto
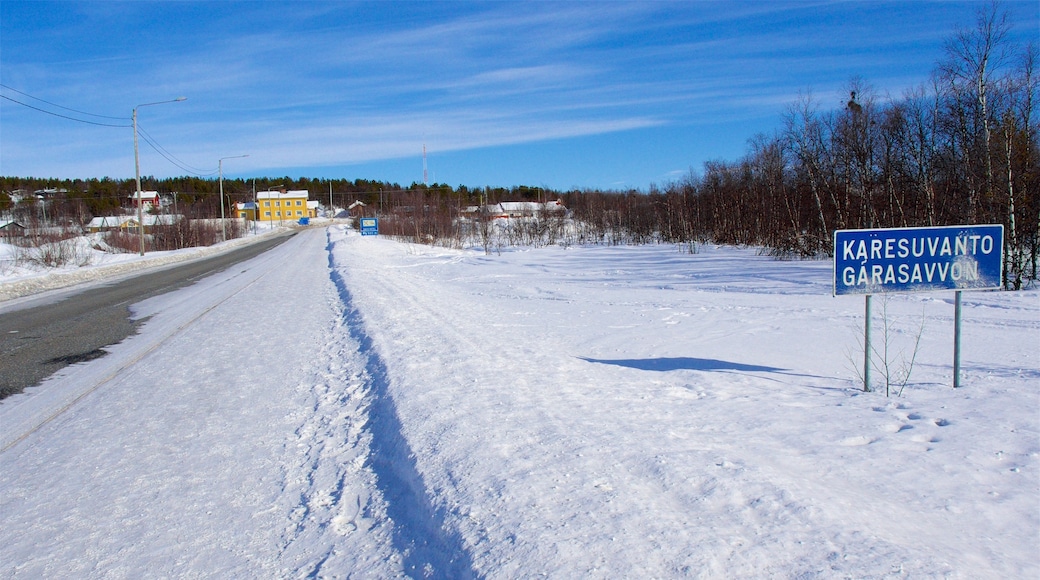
<point x="918" y="259"/>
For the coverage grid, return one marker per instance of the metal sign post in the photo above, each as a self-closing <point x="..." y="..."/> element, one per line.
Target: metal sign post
<point x="918" y="260"/>
<point x="866" y="343"/>
<point x="957" y="339"/>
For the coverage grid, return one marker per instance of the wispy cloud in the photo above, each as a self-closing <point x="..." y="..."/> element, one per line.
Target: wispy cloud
<point x="322" y="84"/>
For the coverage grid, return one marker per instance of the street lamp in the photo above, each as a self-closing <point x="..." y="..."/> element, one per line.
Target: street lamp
<point x="220" y="169"/>
<point x="137" y="170"/>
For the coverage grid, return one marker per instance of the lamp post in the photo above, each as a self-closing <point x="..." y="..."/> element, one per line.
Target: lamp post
<point x="220" y="169"/>
<point x="137" y="170"/>
<point x="256" y="208"/>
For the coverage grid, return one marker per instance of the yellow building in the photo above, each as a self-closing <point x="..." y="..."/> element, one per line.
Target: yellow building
<point x="246" y="211"/>
<point x="278" y="206"/>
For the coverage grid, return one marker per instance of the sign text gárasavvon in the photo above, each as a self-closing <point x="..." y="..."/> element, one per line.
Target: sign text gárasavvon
<point x="918" y="259"/>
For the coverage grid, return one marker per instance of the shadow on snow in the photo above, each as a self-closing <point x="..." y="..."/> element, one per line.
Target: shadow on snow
<point x="683" y="363"/>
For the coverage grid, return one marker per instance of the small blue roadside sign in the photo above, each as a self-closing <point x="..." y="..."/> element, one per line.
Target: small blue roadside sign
<point x="918" y="259"/>
<point x="369" y="226"/>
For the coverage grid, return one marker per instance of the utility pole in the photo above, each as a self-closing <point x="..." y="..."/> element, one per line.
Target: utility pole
<point x="137" y="170"/>
<point x="220" y="169"/>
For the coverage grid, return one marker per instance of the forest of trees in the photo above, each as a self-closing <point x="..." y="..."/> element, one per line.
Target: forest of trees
<point x="962" y="148"/>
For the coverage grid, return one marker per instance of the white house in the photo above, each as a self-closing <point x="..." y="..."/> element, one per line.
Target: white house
<point x="129" y="222"/>
<point x="517" y="209"/>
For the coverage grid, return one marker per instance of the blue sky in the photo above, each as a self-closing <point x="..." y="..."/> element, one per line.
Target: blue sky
<point x="564" y="95"/>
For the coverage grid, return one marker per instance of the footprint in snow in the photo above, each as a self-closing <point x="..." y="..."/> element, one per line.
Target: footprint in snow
<point x="857" y="441"/>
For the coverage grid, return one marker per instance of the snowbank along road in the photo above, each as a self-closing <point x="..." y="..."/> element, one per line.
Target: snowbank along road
<point x="347" y="406"/>
<point x="41" y="335"/>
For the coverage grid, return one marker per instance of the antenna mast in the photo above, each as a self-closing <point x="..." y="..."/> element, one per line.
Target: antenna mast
<point x="424" y="175"/>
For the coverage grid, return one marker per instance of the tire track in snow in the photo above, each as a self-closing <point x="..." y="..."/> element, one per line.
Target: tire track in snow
<point x="419" y="534"/>
<point x="196" y="480"/>
<point x="337" y="504"/>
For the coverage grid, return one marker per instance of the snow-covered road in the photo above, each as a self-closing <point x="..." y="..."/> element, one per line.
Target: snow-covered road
<point x="226" y="440"/>
<point x="350" y="406"/>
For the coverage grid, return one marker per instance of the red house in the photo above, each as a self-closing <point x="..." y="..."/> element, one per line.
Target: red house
<point x="150" y="199"/>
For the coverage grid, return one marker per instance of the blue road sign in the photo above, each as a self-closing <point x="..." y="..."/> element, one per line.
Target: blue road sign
<point x="918" y="259"/>
<point x="369" y="227"/>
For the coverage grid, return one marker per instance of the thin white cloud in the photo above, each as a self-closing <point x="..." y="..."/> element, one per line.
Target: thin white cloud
<point x="321" y="84"/>
<point x="376" y="139"/>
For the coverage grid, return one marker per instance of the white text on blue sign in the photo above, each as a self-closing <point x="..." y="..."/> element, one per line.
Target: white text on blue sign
<point x="918" y="259"/>
<point x="369" y="227"/>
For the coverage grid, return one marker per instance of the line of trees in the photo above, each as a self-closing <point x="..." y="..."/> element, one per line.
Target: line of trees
<point x="78" y="200"/>
<point x="961" y="150"/>
<point x="75" y="201"/>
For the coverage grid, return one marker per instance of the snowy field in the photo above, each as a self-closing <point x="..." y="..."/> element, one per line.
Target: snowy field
<point x="347" y="406"/>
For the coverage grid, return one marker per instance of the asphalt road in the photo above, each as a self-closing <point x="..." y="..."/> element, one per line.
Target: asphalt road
<point x="39" y="338"/>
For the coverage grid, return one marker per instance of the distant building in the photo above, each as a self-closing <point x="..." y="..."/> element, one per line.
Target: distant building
<point x="50" y="192"/>
<point x="517" y="209"/>
<point x="10" y="230"/>
<point x="128" y="223"/>
<point x="149" y="199"/>
<point x="246" y="211"/>
<point x="356" y="209"/>
<point x="106" y="223"/>
<point x="285" y="205"/>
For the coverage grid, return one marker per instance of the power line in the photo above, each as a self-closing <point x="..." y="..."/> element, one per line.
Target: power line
<point x="148" y="138"/>
<point x="170" y="157"/>
<point x="59" y="106"/>
<point x="60" y="115"/>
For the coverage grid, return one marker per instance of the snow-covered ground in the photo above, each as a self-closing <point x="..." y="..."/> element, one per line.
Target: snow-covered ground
<point x="351" y="406"/>
<point x="89" y="259"/>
